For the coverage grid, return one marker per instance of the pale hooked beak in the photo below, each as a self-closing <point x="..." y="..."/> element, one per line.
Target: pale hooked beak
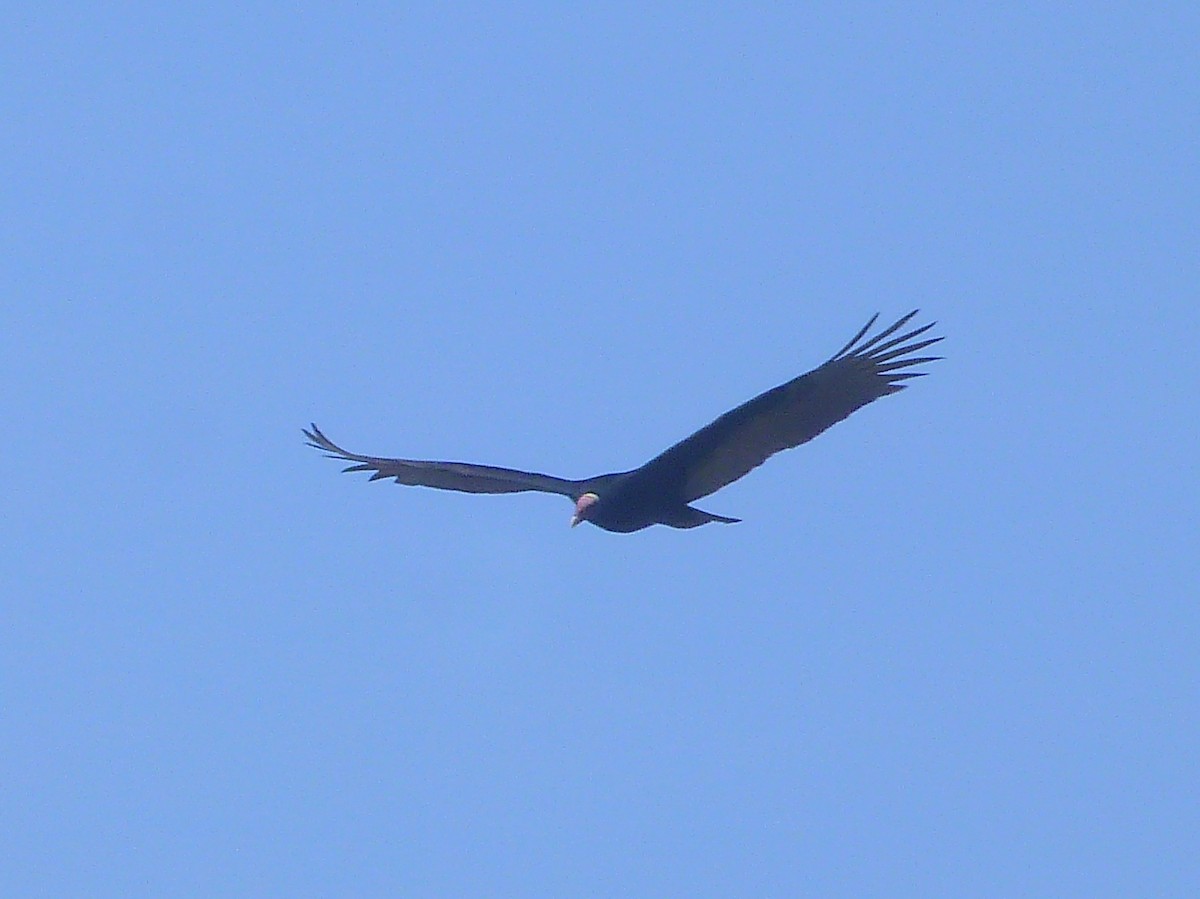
<point x="581" y="508"/>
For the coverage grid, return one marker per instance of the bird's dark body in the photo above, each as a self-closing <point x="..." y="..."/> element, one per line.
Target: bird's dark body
<point x="636" y="499"/>
<point x="661" y="491"/>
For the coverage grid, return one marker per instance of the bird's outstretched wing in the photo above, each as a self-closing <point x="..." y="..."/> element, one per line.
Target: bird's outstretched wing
<point x="792" y="413"/>
<point x="461" y="476"/>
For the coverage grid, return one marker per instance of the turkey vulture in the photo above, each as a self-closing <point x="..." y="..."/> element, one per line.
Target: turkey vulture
<point x="718" y="454"/>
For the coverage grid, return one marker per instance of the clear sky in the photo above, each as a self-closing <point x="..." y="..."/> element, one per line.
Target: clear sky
<point x="951" y="651"/>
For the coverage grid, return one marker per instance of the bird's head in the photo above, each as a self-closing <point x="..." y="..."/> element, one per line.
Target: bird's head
<point x="582" y="505"/>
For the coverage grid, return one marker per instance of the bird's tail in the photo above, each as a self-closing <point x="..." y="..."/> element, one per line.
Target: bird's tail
<point x="691" y="517"/>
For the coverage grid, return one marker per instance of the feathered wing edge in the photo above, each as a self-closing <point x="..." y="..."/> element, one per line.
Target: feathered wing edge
<point x="888" y="360"/>
<point x="464" y="477"/>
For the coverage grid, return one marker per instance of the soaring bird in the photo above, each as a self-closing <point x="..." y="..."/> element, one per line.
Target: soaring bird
<point x="660" y="492"/>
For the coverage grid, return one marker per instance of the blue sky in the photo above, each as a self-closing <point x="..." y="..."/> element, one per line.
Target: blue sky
<point x="950" y="651"/>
